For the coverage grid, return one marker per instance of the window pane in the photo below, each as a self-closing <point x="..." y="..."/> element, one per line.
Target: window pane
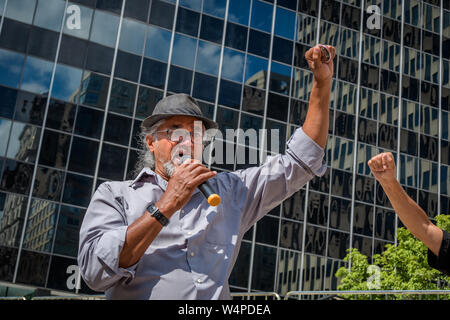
<point x="306" y="29"/>
<point x="21" y="10"/>
<point x="30" y="108"/>
<point x="236" y="36"/>
<point x="61" y="116"/>
<point x="349" y="43"/>
<point x="104" y="28"/>
<point x="112" y="162"/>
<point x="33" y="267"/>
<point x="204" y="87"/>
<point x="67" y="233"/>
<point x="43" y="43"/>
<point x="137" y="9"/>
<point x="162" y="14"/>
<point x="127" y="66"/>
<point x="89" y="122"/>
<point x="285" y="23"/>
<point x="153" y="73"/>
<point x="15" y="35"/>
<point x="122" y="97"/>
<point x="261" y="16"/>
<point x="212" y="29"/>
<point x="72" y="27"/>
<point x="147" y="100"/>
<point x="132" y="36"/>
<point x="13" y="208"/>
<point x="280" y="78"/>
<point x="99" y="58"/>
<point x="230" y="94"/>
<point x="215" y="7"/>
<point x="180" y="80"/>
<point x="10" y="68"/>
<point x="23" y="142"/>
<point x="183" y="51"/>
<point x="187" y="22"/>
<point x="208" y="58"/>
<point x="264" y="268"/>
<point x="117" y="129"/>
<point x="5" y="126"/>
<point x="73" y="51"/>
<point x="282" y="50"/>
<point x="77" y="190"/>
<point x="56" y="149"/>
<point x="16" y="177"/>
<point x="253" y="100"/>
<point x="255" y="71"/>
<point x="49" y="14"/>
<point x="277" y="107"/>
<point x="36" y="75"/>
<point x="238" y="11"/>
<point x="193" y="4"/>
<point x="83" y="156"/>
<point x="42" y="216"/>
<point x="233" y="65"/>
<point x="259" y="43"/>
<point x="110" y="5"/>
<point x="94" y="89"/>
<point x="158" y="43"/>
<point x="66" y="83"/>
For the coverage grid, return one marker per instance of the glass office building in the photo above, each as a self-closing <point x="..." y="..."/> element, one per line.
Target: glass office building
<point x="78" y="77"/>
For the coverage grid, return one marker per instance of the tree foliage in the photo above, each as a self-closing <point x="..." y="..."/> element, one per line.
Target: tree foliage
<point x="401" y="267"/>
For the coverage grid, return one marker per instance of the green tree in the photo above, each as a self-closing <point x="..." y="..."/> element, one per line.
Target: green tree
<point x="401" y="267"/>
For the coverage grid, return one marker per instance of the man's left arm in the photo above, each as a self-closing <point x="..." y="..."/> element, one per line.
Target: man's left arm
<point x="317" y="118"/>
<point x="263" y="188"/>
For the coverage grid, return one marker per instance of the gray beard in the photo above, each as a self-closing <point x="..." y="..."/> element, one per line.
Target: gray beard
<point x="169" y="168"/>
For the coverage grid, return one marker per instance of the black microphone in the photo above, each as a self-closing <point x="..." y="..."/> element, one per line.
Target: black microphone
<point x="212" y="197"/>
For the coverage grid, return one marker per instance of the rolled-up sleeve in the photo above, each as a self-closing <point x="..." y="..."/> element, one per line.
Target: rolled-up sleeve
<point x="102" y="236"/>
<point x="263" y="188"/>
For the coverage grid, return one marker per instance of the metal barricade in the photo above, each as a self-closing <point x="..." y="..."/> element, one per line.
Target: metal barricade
<point x="255" y="295"/>
<point x="75" y="297"/>
<point x="13" y="298"/>
<point x="387" y="293"/>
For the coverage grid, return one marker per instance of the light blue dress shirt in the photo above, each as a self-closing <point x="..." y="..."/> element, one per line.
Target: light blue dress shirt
<point x="193" y="256"/>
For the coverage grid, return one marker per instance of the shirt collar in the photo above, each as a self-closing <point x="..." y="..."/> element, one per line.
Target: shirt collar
<point x="143" y="176"/>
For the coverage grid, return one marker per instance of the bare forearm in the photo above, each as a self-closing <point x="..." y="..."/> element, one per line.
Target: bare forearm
<point x="413" y="216"/>
<point x="140" y="234"/>
<point x="317" y="118"/>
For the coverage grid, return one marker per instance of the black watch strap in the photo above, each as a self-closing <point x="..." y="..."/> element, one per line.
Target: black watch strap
<point x="155" y="213"/>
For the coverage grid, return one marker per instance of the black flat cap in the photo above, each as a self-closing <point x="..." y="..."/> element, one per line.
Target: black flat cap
<point x="179" y="104"/>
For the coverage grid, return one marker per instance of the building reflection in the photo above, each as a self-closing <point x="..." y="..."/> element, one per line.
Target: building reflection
<point x="12" y="219"/>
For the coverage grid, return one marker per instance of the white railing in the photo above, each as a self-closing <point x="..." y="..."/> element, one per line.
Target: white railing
<point x="387" y="293"/>
<point x="254" y="295"/>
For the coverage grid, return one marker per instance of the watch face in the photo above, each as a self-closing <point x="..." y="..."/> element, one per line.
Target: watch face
<point x="152" y="208"/>
<point x="155" y="213"/>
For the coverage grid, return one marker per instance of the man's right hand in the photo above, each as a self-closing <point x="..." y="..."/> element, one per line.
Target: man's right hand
<point x="185" y="178"/>
<point x="383" y="167"/>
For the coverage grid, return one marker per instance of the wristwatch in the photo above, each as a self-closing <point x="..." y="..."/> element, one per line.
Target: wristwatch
<point x="155" y="213"/>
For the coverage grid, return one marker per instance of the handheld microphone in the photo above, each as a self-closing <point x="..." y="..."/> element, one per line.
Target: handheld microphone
<point x="212" y="197"/>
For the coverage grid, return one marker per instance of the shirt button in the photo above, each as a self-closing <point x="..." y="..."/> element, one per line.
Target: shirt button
<point x="199" y="280"/>
<point x="189" y="232"/>
<point x="182" y="211"/>
<point x="192" y="254"/>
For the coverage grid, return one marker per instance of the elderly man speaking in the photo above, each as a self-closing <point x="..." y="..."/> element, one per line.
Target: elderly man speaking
<point x="157" y="237"/>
